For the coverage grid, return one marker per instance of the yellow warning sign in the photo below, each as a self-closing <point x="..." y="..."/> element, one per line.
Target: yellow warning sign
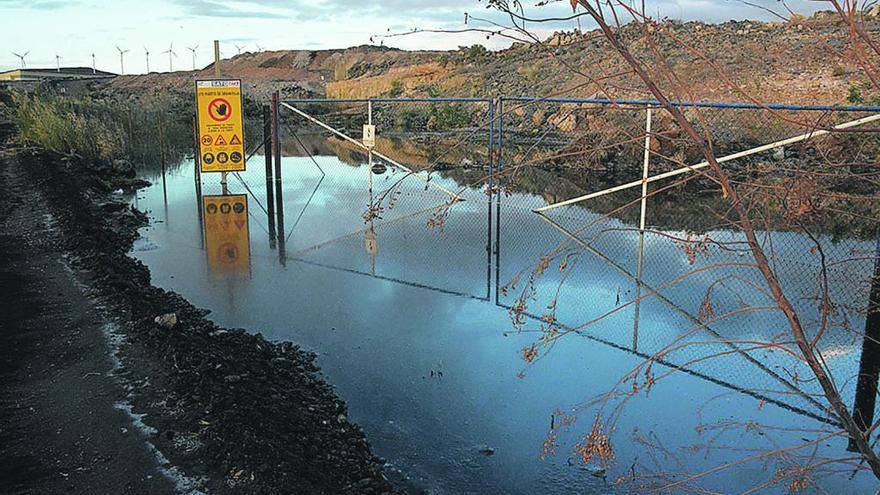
<point x="227" y="240"/>
<point x="220" y="126"/>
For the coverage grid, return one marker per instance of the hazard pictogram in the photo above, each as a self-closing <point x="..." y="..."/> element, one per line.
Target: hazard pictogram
<point x="234" y="140"/>
<point x="228" y="253"/>
<point x="220" y="141"/>
<point x="219" y="109"/>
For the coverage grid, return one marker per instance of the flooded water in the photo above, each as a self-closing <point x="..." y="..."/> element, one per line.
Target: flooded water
<point x="409" y="315"/>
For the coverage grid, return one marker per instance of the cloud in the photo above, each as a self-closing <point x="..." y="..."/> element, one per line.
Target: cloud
<point x="232" y="9"/>
<point x="36" y="5"/>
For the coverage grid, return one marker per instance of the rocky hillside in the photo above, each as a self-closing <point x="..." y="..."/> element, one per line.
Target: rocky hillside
<point x="794" y="62"/>
<point x="293" y="72"/>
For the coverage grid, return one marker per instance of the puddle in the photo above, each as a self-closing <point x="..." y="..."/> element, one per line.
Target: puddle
<point x="412" y="323"/>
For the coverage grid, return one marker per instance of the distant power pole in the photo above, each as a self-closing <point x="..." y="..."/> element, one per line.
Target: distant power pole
<point x="217" y="59"/>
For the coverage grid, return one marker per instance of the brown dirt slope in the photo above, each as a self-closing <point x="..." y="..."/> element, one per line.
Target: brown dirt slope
<point x="801" y="61"/>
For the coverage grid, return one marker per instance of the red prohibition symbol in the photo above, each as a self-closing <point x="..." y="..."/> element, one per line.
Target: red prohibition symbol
<point x="219" y="109"/>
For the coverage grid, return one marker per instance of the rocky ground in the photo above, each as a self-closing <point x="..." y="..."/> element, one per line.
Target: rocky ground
<point x="111" y="385"/>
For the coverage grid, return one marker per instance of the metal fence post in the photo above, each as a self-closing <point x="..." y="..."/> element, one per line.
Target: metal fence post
<point x="491" y="141"/>
<point x="279" y="196"/>
<point x="370" y="154"/>
<point x="869" y="362"/>
<point x="499" y="160"/>
<point x="642" y="215"/>
<point x="491" y="196"/>
<point x="197" y="179"/>
<point x="268" y="143"/>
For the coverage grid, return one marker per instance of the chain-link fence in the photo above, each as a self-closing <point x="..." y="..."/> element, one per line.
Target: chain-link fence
<point x="685" y="290"/>
<point x="538" y="206"/>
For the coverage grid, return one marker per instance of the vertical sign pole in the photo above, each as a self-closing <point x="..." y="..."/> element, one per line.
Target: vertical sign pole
<point x="223" y="183"/>
<point x="644" y="205"/>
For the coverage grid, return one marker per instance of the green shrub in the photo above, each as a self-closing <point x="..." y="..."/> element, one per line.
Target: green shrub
<point x="409" y="119"/>
<point x="476" y="51"/>
<point x="448" y="116"/>
<point x="396" y="87"/>
<point x="855" y="94"/>
<point x="66" y="125"/>
<point x="103" y="129"/>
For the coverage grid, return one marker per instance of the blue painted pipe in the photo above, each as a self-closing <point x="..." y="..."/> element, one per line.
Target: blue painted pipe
<point x="701" y="104"/>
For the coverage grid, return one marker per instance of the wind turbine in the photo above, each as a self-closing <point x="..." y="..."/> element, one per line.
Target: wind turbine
<point x="58" y="62"/>
<point x="193" y="50"/>
<point x="147" y="52"/>
<point x="238" y="47"/>
<point x="21" y="57"/>
<point x="259" y="48"/>
<point x="170" y="52"/>
<point x="121" y="59"/>
<point x="93" y="64"/>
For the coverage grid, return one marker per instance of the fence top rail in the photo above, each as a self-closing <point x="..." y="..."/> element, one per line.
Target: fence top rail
<point x="382" y="100"/>
<point x="702" y="104"/>
<point x="600" y="101"/>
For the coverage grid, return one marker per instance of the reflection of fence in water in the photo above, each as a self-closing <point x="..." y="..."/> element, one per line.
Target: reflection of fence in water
<point x="324" y="136"/>
<point x="567" y="135"/>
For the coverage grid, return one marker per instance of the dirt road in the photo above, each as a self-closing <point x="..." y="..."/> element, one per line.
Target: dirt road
<point x="60" y="429"/>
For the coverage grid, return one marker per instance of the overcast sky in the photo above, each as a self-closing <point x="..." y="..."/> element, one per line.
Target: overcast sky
<point x="74" y="29"/>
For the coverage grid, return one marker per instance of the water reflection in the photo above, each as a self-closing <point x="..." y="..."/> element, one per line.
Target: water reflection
<point x="384" y="317"/>
<point x="227" y="236"/>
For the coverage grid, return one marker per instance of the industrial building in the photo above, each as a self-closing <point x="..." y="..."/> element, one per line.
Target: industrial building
<point x="63" y="73"/>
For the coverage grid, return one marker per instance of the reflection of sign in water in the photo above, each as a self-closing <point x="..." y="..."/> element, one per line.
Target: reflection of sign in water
<point x="220" y="125"/>
<point x="227" y="239"/>
<point x="371" y="242"/>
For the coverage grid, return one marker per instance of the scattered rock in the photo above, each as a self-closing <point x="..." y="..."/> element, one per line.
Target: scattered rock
<point x="168" y="320"/>
<point x="779" y="154"/>
<point x="486" y="450"/>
